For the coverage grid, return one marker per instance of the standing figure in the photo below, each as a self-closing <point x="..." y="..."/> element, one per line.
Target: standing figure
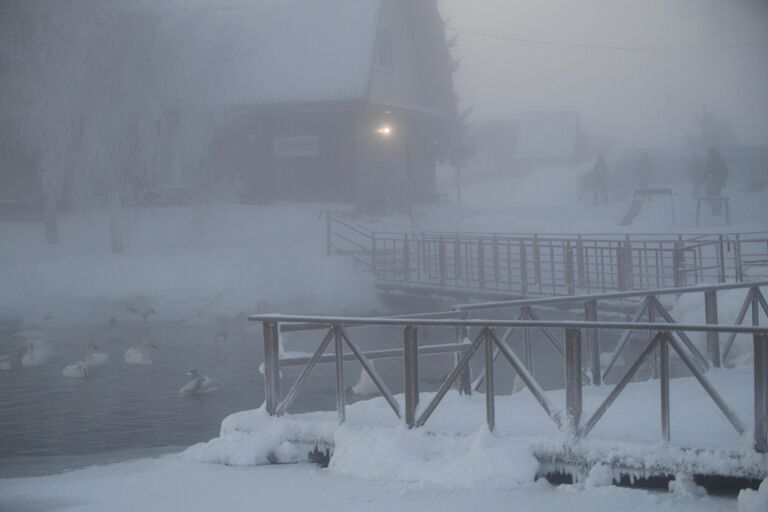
<point x="714" y="179"/>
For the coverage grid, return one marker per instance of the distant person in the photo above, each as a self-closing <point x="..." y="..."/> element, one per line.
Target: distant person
<point x="714" y="179"/>
<point x="599" y="182"/>
<point x="643" y="168"/>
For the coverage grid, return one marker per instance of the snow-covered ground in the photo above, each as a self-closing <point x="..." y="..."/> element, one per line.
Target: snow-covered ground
<point x="197" y="263"/>
<point x="374" y="442"/>
<point x="171" y="483"/>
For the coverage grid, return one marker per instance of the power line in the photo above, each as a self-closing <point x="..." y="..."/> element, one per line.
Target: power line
<point x="589" y="46"/>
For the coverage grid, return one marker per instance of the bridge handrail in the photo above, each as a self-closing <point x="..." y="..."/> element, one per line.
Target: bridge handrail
<point x="661" y="343"/>
<point x="475" y="306"/>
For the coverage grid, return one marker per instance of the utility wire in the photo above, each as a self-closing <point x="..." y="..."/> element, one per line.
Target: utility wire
<point x="559" y="44"/>
<point x="499" y="37"/>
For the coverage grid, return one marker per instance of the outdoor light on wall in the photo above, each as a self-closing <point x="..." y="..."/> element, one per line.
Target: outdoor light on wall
<point x="385" y="131"/>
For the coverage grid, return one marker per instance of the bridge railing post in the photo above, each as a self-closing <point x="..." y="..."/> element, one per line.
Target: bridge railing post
<point x="523" y="268"/>
<point x="407" y="257"/>
<point x="593" y="341"/>
<point x="465" y="379"/>
<point x="271" y="332"/>
<point x="760" y="347"/>
<point x="570" y="281"/>
<point x="495" y="254"/>
<point x="411" y="372"/>
<point x="490" y="404"/>
<point x="480" y="264"/>
<point x="738" y="267"/>
<point x="664" y="363"/>
<point x="442" y="260"/>
<point x="713" y="338"/>
<point x="580" y="263"/>
<point x="341" y="392"/>
<point x="573" y="400"/>
<point x="721" y="259"/>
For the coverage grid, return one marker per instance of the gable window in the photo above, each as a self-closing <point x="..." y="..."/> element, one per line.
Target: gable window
<point x="297" y="146"/>
<point x="384" y="57"/>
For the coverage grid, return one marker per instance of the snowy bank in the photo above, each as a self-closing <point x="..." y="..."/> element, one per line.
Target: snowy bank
<point x="374" y="442"/>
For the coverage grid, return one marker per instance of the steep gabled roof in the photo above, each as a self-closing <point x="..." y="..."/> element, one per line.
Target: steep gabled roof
<point x="272" y="51"/>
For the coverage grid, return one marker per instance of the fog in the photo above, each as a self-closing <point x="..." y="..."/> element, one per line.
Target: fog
<point x="169" y="167"/>
<point x="642" y="96"/>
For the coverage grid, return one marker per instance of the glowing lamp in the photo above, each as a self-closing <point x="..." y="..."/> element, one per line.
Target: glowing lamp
<point x="385" y="130"/>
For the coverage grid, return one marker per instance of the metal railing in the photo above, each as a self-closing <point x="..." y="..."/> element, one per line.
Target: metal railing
<point x="552" y="264"/>
<point x="649" y="308"/>
<point x="662" y="342"/>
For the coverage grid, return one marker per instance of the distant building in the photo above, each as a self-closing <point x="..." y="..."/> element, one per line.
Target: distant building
<point x="348" y="101"/>
<point x="332" y="100"/>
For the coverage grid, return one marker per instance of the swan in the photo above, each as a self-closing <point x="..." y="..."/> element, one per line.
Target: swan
<point x="35" y="353"/>
<point x="95" y="357"/>
<point x="200" y="385"/>
<point x="78" y="370"/>
<point x="140" y="353"/>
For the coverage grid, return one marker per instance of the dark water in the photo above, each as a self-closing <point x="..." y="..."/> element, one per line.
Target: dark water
<point x="122" y="407"/>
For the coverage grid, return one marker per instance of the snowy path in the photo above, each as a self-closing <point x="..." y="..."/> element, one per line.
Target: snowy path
<point x="173" y="484"/>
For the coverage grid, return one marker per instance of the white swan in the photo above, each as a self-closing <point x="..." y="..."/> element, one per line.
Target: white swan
<point x="200" y="385"/>
<point x="78" y="370"/>
<point x="35" y="353"/>
<point x="140" y="353"/>
<point x="95" y="357"/>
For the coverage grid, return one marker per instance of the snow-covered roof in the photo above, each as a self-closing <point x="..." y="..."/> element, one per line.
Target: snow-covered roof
<point x="273" y="51"/>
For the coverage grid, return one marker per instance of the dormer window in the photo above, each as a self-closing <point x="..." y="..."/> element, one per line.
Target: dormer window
<point x="384" y="50"/>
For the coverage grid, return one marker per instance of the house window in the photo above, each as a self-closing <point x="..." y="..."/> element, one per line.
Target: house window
<point x="297" y="146"/>
<point x="384" y="58"/>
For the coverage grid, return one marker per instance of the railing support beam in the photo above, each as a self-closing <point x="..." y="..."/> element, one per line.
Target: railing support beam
<point x="760" y="345"/>
<point x="490" y="405"/>
<point x="664" y="363"/>
<point x="593" y="339"/>
<point x="271" y="332"/>
<point x="411" y="372"/>
<point x="713" y="338"/>
<point x="341" y="392"/>
<point x="573" y="383"/>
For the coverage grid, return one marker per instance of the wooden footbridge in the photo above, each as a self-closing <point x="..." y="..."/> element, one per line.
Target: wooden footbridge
<point x="509" y="265"/>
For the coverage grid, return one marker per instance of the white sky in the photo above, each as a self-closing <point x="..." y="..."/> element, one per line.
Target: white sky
<point x="640" y="97"/>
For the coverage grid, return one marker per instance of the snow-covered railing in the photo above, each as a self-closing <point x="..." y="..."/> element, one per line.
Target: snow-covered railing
<point x="663" y="339"/>
<point x="650" y="308"/>
<point x="523" y="264"/>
